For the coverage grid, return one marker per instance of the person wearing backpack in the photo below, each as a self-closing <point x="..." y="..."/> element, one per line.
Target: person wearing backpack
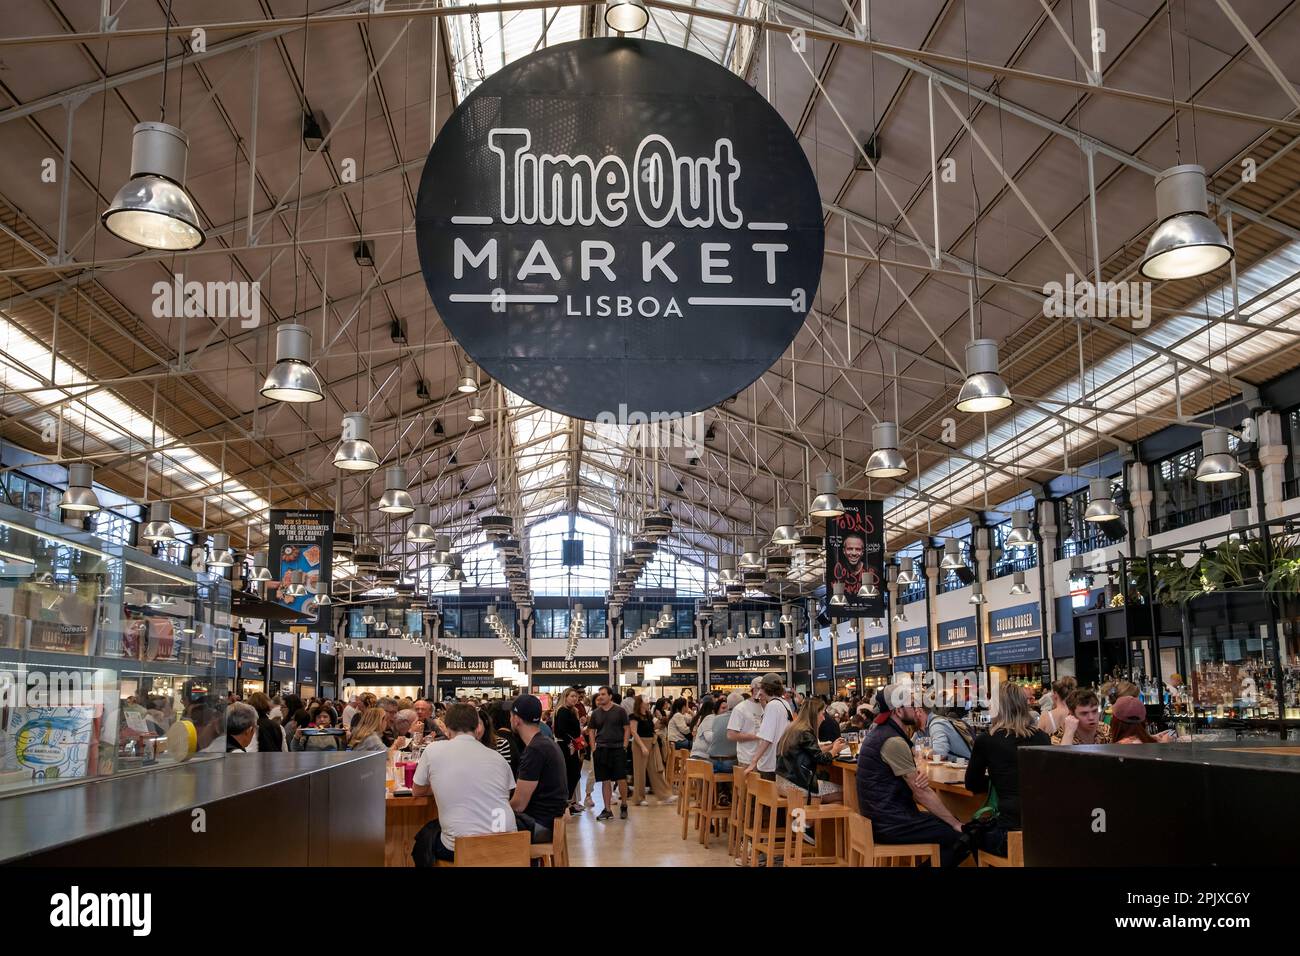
<point x="951" y="738"/>
<point x="776" y="714"/>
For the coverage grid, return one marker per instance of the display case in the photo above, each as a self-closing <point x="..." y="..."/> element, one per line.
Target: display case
<point x="103" y="648"/>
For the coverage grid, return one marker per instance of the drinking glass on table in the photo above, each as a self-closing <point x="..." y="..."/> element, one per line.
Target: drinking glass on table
<point x="851" y="738"/>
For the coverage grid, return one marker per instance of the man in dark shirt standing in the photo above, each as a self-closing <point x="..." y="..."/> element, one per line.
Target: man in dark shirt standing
<point x="609" y="729"/>
<point x="541" y="786"/>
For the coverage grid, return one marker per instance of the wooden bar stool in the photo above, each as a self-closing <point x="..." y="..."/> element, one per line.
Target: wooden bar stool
<point x="493" y="849"/>
<point x="1015" y="852"/>
<point x="701" y="800"/>
<point x="555" y="853"/>
<point x="865" y="851"/>
<point x="832" y="815"/>
<point x="736" y="818"/>
<point x="677" y="777"/>
<point x="767" y="833"/>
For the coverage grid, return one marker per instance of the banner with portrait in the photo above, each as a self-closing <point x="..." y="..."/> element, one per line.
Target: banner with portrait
<point x="855" y="557"/>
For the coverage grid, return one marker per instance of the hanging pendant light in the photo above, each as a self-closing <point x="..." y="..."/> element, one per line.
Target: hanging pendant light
<point x="751" y="558"/>
<point x="1100" y="506"/>
<point x="977" y="594"/>
<point x="292" y="379"/>
<point x="395" y="500"/>
<point x="837" y="595"/>
<point x="1018" y="585"/>
<point x="153" y="209"/>
<point x="786" y="616"/>
<point x="260" y="570"/>
<point x="1217" y="463"/>
<point x="727" y="569"/>
<point x="827" y="504"/>
<point x="787" y="527"/>
<point x="159" y="526"/>
<point x="869" y="590"/>
<point x="355" y="453"/>
<point x="951" y="555"/>
<point x="1020" y="535"/>
<point x="984" y="390"/>
<point x="323" y="598"/>
<point x="626" y="16"/>
<point x="886" y="461"/>
<point x="1187" y="242"/>
<point x="907" y="570"/>
<point x="80" y="496"/>
<point x="222" y="556"/>
<point x="420" y="530"/>
<point x="476" y="415"/>
<point x="467" y="382"/>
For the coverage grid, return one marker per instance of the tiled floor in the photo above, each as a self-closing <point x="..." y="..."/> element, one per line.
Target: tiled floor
<point x="650" y="836"/>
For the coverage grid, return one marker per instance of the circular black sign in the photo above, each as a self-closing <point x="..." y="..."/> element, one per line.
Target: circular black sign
<point x="618" y="227"/>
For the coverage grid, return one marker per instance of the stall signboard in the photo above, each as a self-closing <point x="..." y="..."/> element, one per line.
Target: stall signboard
<point x="1023" y="620"/>
<point x="1015" y="651"/>
<point x="913" y="641"/>
<point x="846" y="652"/>
<point x="306" y="659"/>
<point x="911" y="663"/>
<point x="469" y="665"/>
<point x="302" y="540"/>
<point x="619" y="228"/>
<point x="875" y="647"/>
<point x="282" y="650"/>
<point x="251" y="652"/>
<point x="957" y="659"/>
<point x="688" y="666"/>
<point x="1063" y="645"/>
<point x="875" y="668"/>
<point x="956" y="633"/>
<point x="579" y="665"/>
<point x="845" y="671"/>
<point x="750" y="665"/>
<point x="855" y="557"/>
<point x="375" y="671"/>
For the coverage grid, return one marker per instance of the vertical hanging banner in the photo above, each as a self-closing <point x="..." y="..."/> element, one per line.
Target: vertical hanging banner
<point x="302" y="541"/>
<point x="855" y="557"/>
<point x="620" y="230"/>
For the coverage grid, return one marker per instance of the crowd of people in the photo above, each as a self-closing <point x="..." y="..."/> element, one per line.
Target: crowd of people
<point x="515" y="764"/>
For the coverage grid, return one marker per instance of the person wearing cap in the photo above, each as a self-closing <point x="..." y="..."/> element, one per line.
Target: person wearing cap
<point x="1128" y="724"/>
<point x="541" y="788"/>
<point x="890" y="785"/>
<point x="1083" y="725"/>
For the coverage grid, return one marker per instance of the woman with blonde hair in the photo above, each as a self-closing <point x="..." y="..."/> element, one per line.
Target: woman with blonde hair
<point x="368" y="734"/>
<point x="798" y="755"/>
<point x="993" y="762"/>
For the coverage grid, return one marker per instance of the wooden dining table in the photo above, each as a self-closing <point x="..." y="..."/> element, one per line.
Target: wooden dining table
<point x="945" y="779"/>
<point x="403" y="818"/>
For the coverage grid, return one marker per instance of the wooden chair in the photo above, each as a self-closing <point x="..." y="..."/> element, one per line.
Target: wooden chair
<point x="555" y="853"/>
<point x="677" y="774"/>
<point x="736" y="816"/>
<point x="767" y="833"/>
<point x="1015" y="852"/>
<point x="493" y="849"/>
<point x="700" y="800"/>
<point x="865" y="851"/>
<point x="831" y="819"/>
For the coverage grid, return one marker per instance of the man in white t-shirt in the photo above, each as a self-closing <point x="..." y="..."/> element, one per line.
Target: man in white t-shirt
<point x="743" y="723"/>
<point x="471" y="784"/>
<point x="776" y="717"/>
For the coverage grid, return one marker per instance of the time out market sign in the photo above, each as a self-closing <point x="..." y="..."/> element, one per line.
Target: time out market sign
<point x="619" y="223"/>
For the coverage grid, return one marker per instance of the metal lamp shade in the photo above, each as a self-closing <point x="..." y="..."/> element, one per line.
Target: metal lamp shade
<point x="787" y="527"/>
<point x="476" y="415"/>
<point x="984" y="390"/>
<point x="626" y="16"/>
<point x="886" y="461"/>
<point x="260" y="571"/>
<point x="420" y="530"/>
<point x="355" y="453"/>
<point x="951" y="556"/>
<point x="292" y="379"/>
<point x="1217" y="463"/>
<point x="827" y="504"/>
<point x="837" y="595"/>
<point x="159" y="527"/>
<point x="977" y="594"/>
<point x="467" y="382"/>
<point x="869" y="590"/>
<point x="751" y="558"/>
<point x="1186" y="243"/>
<point x="395" y="500"/>
<point x="1020" y="535"/>
<point x="1100" y="506"/>
<point x="1018" y="585"/>
<point x="222" y="556"/>
<point x="80" y="496"/>
<point x="153" y="209"/>
<point x="727" y="569"/>
<point x="907" y="570"/>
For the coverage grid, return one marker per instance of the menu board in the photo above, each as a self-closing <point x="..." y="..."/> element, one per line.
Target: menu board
<point x="302" y="541"/>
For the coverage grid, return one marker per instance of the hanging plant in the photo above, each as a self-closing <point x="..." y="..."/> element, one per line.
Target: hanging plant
<point x="1283" y="577"/>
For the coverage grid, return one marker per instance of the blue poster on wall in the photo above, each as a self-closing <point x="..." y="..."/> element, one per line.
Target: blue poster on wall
<point x="960" y="631"/>
<point x="1023" y="620"/>
<point x="914" y="640"/>
<point x="875" y="647"/>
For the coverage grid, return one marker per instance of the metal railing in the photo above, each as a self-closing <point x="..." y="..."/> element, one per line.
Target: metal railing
<point x="1010" y="564"/>
<point x="912" y="592"/>
<point x="1203" y="512"/>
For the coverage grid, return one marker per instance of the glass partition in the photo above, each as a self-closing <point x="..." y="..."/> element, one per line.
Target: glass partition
<point x="102" y="650"/>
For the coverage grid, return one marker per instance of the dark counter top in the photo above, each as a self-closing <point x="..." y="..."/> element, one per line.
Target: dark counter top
<point x="1241" y="754"/>
<point x="39" y="820"/>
